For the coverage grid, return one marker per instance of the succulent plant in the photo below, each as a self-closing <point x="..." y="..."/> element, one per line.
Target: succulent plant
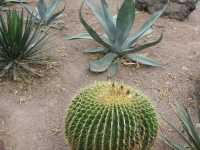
<point x="44" y="13"/>
<point x="117" y="41"/>
<point x="21" y="44"/>
<point x="189" y="134"/>
<point x="110" y="116"/>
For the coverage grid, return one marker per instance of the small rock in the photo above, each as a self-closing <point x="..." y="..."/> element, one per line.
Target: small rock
<point x="185" y="68"/>
<point x="198" y="125"/>
<point x="2" y="145"/>
<point x="177" y="9"/>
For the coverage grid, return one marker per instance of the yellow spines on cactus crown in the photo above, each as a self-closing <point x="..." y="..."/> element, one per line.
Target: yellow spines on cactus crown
<point x="114" y="93"/>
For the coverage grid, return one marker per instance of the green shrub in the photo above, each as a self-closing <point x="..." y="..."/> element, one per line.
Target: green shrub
<point x="110" y="116"/>
<point x="117" y="42"/>
<point x="20" y="44"/>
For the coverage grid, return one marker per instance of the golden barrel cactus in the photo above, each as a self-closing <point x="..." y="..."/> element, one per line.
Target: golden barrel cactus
<point x="110" y="116"/>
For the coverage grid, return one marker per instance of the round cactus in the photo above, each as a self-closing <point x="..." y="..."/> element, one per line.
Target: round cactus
<point x="110" y="116"/>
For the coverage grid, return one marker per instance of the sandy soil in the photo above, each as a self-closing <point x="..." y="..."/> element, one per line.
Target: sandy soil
<point x="32" y="114"/>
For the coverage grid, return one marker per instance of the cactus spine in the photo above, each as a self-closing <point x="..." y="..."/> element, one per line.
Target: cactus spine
<point x="110" y="116"/>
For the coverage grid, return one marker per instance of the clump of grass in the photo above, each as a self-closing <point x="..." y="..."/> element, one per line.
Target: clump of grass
<point x="21" y="45"/>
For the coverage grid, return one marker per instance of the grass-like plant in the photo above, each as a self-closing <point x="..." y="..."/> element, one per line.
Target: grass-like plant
<point x="45" y="13"/>
<point x="117" y="42"/>
<point x="20" y="44"/>
<point x="189" y="134"/>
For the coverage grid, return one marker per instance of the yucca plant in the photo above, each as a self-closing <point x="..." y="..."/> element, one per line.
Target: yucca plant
<point x="45" y="13"/>
<point x="20" y="44"/>
<point x="189" y="134"/>
<point x="117" y="41"/>
<point x="110" y="116"/>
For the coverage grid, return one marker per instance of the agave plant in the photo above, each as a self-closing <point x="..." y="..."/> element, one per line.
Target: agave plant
<point x="44" y="13"/>
<point x="117" y="42"/>
<point x="20" y="44"/>
<point x="190" y="135"/>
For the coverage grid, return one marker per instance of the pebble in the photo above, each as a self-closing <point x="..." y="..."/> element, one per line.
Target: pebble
<point x="2" y="145"/>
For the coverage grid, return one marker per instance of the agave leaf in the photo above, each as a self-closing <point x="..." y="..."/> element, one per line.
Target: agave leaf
<point x="102" y="64"/>
<point x="103" y="17"/>
<point x="43" y="13"/>
<point x="178" y="131"/>
<point x="109" y="20"/>
<point x="83" y="35"/>
<point x="115" y="19"/>
<point x="193" y="139"/>
<point x="143" y="60"/>
<point x="144" y="28"/>
<point x="54" y="16"/>
<point x="125" y="19"/>
<point x="95" y="50"/>
<point x="144" y="46"/>
<point x="52" y="7"/>
<point x="188" y="126"/>
<point x="185" y="118"/>
<point x="30" y="10"/>
<point x="106" y="13"/>
<point x="91" y="31"/>
<point x="42" y="8"/>
<point x="172" y="144"/>
<point x="86" y="36"/>
<point x="148" y="32"/>
<point x="112" y="70"/>
<point x="150" y="44"/>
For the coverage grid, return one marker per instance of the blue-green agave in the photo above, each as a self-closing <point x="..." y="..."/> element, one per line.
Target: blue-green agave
<point x="44" y="13"/>
<point x="110" y="116"/>
<point x="117" y="41"/>
<point x="189" y="134"/>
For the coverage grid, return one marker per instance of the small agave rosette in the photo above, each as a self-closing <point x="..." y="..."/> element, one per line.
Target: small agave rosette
<point x="110" y="116"/>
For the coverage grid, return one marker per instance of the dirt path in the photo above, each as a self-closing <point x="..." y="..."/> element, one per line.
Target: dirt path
<point x="31" y="116"/>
